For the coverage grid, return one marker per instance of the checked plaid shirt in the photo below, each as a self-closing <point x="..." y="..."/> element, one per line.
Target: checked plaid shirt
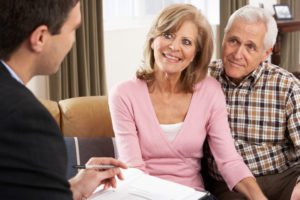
<point x="264" y="116"/>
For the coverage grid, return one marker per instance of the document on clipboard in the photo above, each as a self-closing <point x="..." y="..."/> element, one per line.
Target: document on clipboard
<point x="140" y="186"/>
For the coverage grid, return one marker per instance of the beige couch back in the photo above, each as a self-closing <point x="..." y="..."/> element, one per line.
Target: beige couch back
<point x="82" y="116"/>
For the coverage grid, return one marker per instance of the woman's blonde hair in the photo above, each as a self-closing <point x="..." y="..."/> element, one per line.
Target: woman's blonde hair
<point x="170" y="20"/>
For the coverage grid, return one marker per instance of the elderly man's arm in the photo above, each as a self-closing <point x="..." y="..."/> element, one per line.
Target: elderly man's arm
<point x="250" y="189"/>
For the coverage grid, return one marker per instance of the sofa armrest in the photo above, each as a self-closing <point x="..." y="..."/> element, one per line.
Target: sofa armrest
<point x="52" y="107"/>
<point x="86" y="116"/>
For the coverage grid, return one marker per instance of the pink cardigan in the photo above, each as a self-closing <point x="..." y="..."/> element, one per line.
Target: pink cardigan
<point x="141" y="142"/>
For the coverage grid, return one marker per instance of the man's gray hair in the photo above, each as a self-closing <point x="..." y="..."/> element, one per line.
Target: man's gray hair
<point x="254" y="14"/>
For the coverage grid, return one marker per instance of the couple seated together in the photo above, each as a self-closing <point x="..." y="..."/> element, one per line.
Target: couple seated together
<point x="173" y="116"/>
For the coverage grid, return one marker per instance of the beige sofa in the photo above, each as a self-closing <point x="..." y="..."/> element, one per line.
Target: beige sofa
<point x="82" y="116"/>
<point x="86" y="125"/>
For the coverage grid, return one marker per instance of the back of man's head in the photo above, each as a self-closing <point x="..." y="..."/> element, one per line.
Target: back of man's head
<point x="252" y="14"/>
<point x="19" y="18"/>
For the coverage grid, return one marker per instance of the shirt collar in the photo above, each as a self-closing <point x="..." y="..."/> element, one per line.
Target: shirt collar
<point x="12" y="73"/>
<point x="248" y="81"/>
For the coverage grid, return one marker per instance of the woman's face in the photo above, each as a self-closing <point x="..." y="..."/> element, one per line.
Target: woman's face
<point x="173" y="52"/>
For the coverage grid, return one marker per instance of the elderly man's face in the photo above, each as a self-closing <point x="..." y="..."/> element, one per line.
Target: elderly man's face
<point x="243" y="49"/>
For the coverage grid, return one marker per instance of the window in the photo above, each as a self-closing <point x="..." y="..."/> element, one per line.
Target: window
<point x="130" y="13"/>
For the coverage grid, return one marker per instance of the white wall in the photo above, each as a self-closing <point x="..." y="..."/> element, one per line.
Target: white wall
<point x="123" y="49"/>
<point x="39" y="85"/>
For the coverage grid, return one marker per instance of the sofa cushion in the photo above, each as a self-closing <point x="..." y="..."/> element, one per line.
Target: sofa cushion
<point x="85" y="116"/>
<point x="81" y="149"/>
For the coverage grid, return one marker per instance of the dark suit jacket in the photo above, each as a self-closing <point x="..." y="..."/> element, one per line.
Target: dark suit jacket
<point x="32" y="150"/>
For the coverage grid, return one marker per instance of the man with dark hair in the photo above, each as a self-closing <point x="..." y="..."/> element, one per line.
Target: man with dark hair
<point x="35" y="36"/>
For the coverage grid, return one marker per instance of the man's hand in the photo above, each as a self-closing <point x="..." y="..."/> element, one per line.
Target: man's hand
<point x="87" y="180"/>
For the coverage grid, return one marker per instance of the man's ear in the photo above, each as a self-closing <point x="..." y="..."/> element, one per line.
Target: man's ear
<point x="38" y="38"/>
<point x="267" y="53"/>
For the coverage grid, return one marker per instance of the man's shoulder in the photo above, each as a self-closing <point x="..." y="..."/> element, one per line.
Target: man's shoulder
<point x="215" y="68"/>
<point x="12" y="90"/>
<point x="17" y="98"/>
<point x="216" y="64"/>
<point x="279" y="78"/>
<point x="274" y="71"/>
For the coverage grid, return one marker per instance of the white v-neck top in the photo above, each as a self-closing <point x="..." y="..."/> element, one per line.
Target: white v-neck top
<point x="142" y="143"/>
<point x="171" y="130"/>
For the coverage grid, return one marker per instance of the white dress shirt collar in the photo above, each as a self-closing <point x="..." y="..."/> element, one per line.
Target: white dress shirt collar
<point x="12" y="73"/>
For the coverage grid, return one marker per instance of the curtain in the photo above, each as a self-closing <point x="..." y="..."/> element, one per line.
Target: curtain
<point x="227" y="7"/>
<point x="82" y="72"/>
<point x="291" y="41"/>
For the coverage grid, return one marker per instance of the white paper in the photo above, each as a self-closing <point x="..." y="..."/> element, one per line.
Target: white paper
<point x="140" y="186"/>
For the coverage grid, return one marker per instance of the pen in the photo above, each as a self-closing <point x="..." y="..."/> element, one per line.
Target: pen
<point x="208" y="196"/>
<point x="93" y="166"/>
